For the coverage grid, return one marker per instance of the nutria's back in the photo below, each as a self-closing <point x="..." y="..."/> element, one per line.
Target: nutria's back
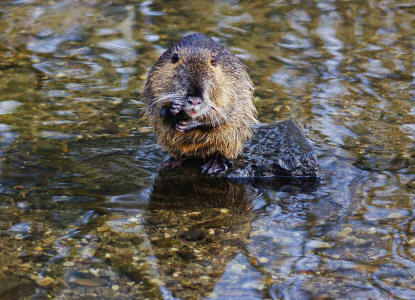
<point x="199" y="99"/>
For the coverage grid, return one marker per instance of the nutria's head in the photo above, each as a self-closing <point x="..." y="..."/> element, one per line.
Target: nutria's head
<point x="196" y="77"/>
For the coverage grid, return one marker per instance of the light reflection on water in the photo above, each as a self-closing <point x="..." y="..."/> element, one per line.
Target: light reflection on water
<point x="83" y="201"/>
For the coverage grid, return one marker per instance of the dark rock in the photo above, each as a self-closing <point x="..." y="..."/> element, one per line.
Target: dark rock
<point x="193" y="235"/>
<point x="411" y="184"/>
<point x="14" y="287"/>
<point x="186" y="254"/>
<point x="156" y="220"/>
<point x="277" y="150"/>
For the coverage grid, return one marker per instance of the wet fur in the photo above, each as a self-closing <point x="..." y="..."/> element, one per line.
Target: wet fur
<point x="230" y="112"/>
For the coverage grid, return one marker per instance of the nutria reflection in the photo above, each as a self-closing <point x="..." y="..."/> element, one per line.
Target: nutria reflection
<point x="196" y="226"/>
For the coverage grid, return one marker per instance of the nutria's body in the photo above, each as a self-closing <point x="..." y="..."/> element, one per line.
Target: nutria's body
<point x="199" y="101"/>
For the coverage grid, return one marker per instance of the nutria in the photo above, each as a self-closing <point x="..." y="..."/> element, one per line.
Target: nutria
<point x="198" y="97"/>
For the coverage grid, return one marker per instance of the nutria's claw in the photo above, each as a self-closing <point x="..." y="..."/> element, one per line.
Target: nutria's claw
<point x="182" y="126"/>
<point x="185" y="126"/>
<point x="217" y="164"/>
<point x="229" y="163"/>
<point x="175" y="107"/>
<point x="172" y="163"/>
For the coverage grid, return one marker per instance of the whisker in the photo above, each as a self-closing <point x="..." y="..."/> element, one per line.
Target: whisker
<point x="214" y="117"/>
<point x="162" y="99"/>
<point x="218" y="112"/>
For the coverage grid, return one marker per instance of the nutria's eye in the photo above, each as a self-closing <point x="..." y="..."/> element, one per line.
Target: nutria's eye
<point x="175" y="58"/>
<point x="213" y="62"/>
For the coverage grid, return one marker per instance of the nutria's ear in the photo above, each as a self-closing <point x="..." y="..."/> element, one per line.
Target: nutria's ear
<point x="174" y="58"/>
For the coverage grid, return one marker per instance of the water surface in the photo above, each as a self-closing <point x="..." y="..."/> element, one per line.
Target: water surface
<point x="87" y="214"/>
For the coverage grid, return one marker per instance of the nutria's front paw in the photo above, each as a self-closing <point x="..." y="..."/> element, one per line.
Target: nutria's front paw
<point x="172" y="163"/>
<point x="217" y="164"/>
<point x="184" y="126"/>
<point x="175" y="107"/>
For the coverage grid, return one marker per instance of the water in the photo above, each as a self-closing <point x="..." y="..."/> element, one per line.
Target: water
<point x="86" y="213"/>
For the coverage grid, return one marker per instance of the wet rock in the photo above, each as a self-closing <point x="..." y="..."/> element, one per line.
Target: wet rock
<point x="16" y="288"/>
<point x="263" y="260"/>
<point x="186" y="254"/>
<point x="45" y="281"/>
<point x="314" y="244"/>
<point x="277" y="150"/>
<point x="103" y="228"/>
<point x="89" y="282"/>
<point x="411" y="184"/>
<point x="155" y="220"/>
<point x="193" y="235"/>
<point x="115" y="287"/>
<point x="345" y="232"/>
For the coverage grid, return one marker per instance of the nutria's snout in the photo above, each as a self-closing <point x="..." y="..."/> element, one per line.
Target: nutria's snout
<point x="193" y="107"/>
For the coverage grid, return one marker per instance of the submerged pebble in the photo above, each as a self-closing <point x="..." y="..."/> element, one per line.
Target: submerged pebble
<point x="45" y="281"/>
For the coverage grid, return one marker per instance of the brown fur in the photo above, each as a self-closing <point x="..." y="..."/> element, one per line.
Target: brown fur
<point x="229" y="89"/>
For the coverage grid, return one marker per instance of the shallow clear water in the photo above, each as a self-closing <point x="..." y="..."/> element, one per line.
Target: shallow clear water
<point x="86" y="214"/>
